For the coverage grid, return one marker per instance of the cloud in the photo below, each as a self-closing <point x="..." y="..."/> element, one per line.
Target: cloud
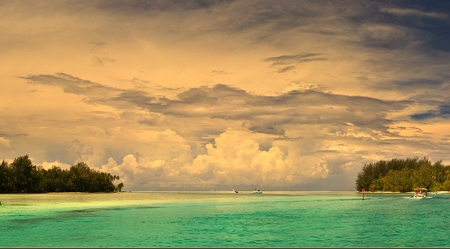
<point x="415" y="12"/>
<point x="443" y="112"/>
<point x="78" y="152"/>
<point x="420" y="27"/>
<point x="49" y="165"/>
<point x="13" y="135"/>
<point x="263" y="114"/>
<point x="285" y="69"/>
<point x="286" y="63"/>
<point x="99" y="56"/>
<point x="4" y="142"/>
<point x="234" y="158"/>
<point x="303" y="91"/>
<point x="220" y="72"/>
<point x="70" y="84"/>
<point x="294" y="59"/>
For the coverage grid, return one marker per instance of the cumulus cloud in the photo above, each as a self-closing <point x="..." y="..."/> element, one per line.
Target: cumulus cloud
<point x="234" y="158"/>
<point x="79" y="152"/>
<point x="49" y="165"/>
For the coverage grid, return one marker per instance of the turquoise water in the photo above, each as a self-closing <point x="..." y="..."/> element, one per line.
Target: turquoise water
<point x="222" y="219"/>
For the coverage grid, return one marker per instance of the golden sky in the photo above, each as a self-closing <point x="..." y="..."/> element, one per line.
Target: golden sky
<point x="203" y="95"/>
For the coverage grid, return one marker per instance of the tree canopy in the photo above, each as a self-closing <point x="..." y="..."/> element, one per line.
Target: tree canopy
<point x="403" y="175"/>
<point x="21" y="176"/>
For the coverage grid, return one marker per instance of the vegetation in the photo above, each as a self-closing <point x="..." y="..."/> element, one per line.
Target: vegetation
<point x="21" y="176"/>
<point x="403" y="175"/>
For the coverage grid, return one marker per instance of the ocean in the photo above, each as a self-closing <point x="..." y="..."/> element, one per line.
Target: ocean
<point x="223" y="219"/>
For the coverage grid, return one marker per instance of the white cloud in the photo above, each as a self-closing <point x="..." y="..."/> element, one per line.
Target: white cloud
<point x="49" y="165"/>
<point x="234" y="158"/>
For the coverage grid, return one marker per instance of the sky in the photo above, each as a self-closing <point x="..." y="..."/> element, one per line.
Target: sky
<point x="212" y="95"/>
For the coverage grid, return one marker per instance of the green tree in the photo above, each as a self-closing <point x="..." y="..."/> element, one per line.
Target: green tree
<point x="23" y="175"/>
<point x="390" y="175"/>
<point x="119" y="187"/>
<point x="446" y="185"/>
<point x="80" y="173"/>
<point x="5" y="185"/>
<point x="423" y="176"/>
<point x="399" y="180"/>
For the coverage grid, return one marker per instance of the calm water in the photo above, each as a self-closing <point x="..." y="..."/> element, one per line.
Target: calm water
<point x="222" y="219"/>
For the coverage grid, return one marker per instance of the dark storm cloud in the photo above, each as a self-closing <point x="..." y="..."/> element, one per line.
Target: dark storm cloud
<point x="430" y="18"/>
<point x="263" y="114"/>
<point x="422" y="24"/>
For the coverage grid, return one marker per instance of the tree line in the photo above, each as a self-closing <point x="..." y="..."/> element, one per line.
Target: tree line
<point x="403" y="175"/>
<point x="21" y="176"/>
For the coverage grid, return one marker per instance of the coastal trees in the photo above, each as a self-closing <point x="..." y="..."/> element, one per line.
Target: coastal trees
<point x="24" y="175"/>
<point x="446" y="185"/>
<point x="4" y="177"/>
<point x="404" y="175"/>
<point x="399" y="180"/>
<point x="119" y="187"/>
<point x="21" y="176"/>
<point x="422" y="177"/>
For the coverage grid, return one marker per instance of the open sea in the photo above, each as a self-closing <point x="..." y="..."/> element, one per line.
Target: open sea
<point x="223" y="219"/>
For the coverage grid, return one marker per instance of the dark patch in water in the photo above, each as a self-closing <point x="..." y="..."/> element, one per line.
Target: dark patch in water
<point x="82" y="211"/>
<point x="146" y="207"/>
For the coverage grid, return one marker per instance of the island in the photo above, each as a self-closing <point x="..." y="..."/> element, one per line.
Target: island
<point x="404" y="175"/>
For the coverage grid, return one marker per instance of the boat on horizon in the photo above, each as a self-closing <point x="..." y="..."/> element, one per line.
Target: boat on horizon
<point x="232" y="190"/>
<point x="256" y="191"/>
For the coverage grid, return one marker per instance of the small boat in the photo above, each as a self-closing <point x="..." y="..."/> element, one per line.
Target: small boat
<point x="257" y="191"/>
<point x="420" y="193"/>
<point x="232" y="190"/>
